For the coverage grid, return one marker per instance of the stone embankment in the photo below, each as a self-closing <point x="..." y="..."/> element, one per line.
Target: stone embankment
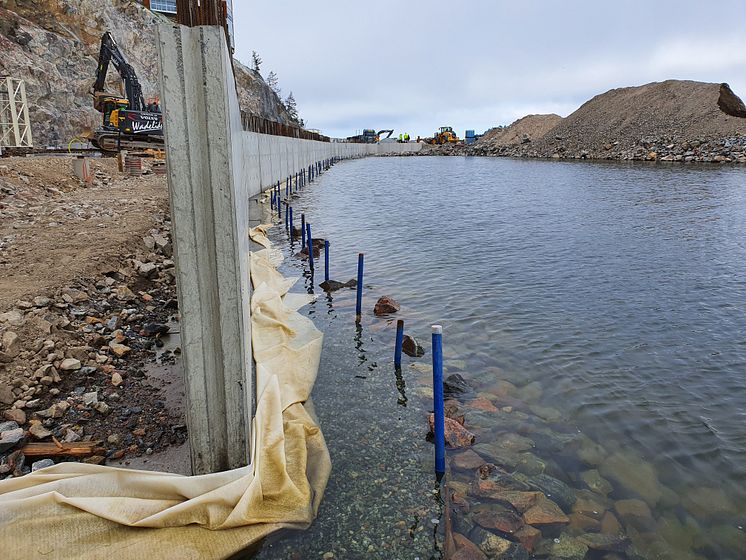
<point x="78" y="341"/>
<point x="674" y="120"/>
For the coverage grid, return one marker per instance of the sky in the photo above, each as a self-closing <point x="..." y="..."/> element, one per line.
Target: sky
<point x="416" y="65"/>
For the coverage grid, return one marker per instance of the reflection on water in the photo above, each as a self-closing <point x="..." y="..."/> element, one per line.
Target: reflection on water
<point x="597" y="311"/>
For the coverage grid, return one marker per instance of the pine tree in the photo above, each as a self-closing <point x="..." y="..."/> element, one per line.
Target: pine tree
<point x="292" y="108"/>
<point x="257" y="62"/>
<point x="273" y="83"/>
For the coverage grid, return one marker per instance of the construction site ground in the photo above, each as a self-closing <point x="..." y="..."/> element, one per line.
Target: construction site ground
<point x="89" y="347"/>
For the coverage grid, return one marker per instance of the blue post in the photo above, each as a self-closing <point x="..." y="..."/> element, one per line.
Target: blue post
<point x="359" y="303"/>
<point x="309" y="245"/>
<point x="279" y="208"/>
<point x="399" y="343"/>
<point x="292" y="233"/>
<point x="439" y="424"/>
<point x="326" y="260"/>
<point x="287" y="215"/>
<point x="272" y="200"/>
<point x="302" y="231"/>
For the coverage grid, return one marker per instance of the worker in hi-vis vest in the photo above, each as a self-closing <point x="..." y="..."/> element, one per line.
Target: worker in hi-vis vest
<point x="400" y="138"/>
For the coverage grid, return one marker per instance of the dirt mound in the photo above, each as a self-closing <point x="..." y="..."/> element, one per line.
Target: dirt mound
<point x="632" y="123"/>
<point x="527" y="129"/>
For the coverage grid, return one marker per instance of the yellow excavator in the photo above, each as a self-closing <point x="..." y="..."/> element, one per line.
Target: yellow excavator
<point x="128" y="122"/>
<point x="444" y="136"/>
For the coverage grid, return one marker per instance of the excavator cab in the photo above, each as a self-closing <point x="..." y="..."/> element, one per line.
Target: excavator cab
<point x="111" y="107"/>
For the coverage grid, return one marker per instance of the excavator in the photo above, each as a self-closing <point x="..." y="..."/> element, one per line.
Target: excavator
<point x="128" y="122"/>
<point x="378" y="135"/>
<point x="444" y="136"/>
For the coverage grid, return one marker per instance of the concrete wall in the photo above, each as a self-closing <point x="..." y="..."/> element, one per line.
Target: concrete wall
<point x="268" y="159"/>
<point x="214" y="169"/>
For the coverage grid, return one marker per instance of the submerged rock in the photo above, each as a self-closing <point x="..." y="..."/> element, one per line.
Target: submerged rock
<point x="497" y="518"/>
<point x="555" y="489"/>
<point x="455" y="434"/>
<point x="465" y="549"/>
<point x="568" y="548"/>
<point x="596" y="482"/>
<point x="491" y="480"/>
<point x="635" y="513"/>
<point x="634" y="475"/>
<point x="411" y="347"/>
<point x="455" y="385"/>
<point x="386" y="305"/>
<point x="545" y="512"/>
<point x="528" y="536"/>
<point x="468" y="460"/>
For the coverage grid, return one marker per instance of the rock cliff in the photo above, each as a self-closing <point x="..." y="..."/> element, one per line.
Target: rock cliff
<point x="53" y="45"/>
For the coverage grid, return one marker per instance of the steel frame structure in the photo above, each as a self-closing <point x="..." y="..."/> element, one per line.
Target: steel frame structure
<point x="15" y="125"/>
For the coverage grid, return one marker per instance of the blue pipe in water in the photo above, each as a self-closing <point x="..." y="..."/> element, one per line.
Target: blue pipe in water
<point x="326" y="260"/>
<point x="309" y="245"/>
<point x="359" y="302"/>
<point x="439" y="424"/>
<point x="399" y="343"/>
<point x="302" y="231"/>
<point x="291" y="223"/>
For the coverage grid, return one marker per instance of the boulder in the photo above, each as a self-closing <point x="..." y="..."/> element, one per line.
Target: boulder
<point x="411" y="347"/>
<point x="15" y="415"/>
<point x="43" y="464"/>
<point x="528" y="536"/>
<point x="11" y="438"/>
<point x="634" y="474"/>
<point x="554" y="489"/>
<point x="11" y="344"/>
<point x="568" y="548"/>
<point x="70" y="364"/>
<point x="455" y="385"/>
<point x="468" y="460"/>
<point x="489" y="543"/>
<point x="610" y="524"/>
<point x="385" y="306"/>
<point x="544" y="512"/>
<point x="465" y="549"/>
<point x="596" y="482"/>
<point x="495" y="517"/>
<point x="6" y="394"/>
<point x="37" y="430"/>
<point x="603" y="542"/>
<point x="455" y="434"/>
<point x="635" y="513"/>
<point x="484" y="404"/>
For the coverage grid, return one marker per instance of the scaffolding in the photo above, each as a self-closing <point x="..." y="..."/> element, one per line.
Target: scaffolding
<point x="15" y="125"/>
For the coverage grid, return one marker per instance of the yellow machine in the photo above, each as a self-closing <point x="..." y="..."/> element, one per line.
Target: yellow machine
<point x="444" y="136"/>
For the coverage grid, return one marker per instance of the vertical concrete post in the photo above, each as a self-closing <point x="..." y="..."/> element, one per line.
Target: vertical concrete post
<point x="210" y="230"/>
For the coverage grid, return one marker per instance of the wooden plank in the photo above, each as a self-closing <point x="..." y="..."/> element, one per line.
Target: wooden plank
<point x="57" y="449"/>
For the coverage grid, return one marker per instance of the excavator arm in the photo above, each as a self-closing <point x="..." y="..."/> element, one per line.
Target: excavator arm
<point x="390" y="132"/>
<point x="110" y="54"/>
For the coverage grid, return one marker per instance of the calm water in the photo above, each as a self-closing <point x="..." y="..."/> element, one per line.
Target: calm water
<point x="621" y="289"/>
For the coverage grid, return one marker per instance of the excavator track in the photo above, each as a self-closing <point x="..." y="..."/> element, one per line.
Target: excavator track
<point x="114" y="142"/>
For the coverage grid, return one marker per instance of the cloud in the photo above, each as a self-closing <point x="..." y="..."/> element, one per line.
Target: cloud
<point x="416" y="66"/>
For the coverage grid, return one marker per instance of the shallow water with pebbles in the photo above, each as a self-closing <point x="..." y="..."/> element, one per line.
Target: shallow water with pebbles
<point x="597" y="313"/>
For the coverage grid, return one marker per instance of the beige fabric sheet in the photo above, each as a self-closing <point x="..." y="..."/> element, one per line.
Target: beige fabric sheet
<point x="74" y="510"/>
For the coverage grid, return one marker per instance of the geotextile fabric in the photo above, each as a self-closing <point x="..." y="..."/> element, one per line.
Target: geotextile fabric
<point x="76" y="510"/>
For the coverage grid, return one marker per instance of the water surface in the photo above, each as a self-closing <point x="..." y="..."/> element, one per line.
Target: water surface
<point x="619" y="288"/>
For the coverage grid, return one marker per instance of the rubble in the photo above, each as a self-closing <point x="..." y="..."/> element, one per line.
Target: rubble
<point x="74" y="358"/>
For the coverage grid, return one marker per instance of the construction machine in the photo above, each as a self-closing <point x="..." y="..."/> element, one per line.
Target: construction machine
<point x="128" y="122"/>
<point x="378" y="135"/>
<point x="444" y="136"/>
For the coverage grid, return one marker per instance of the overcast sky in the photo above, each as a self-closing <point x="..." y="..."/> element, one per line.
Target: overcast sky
<point x="473" y="64"/>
